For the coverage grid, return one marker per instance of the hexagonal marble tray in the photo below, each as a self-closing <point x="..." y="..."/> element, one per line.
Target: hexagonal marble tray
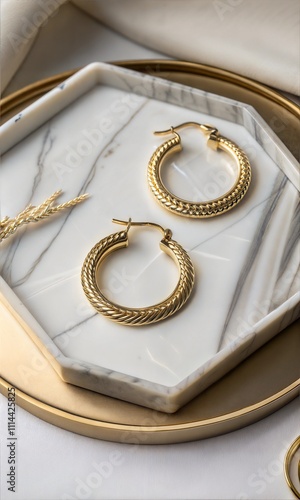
<point x="93" y="134"/>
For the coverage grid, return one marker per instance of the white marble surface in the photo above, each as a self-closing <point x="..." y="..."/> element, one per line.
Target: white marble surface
<point x="162" y="472"/>
<point x="246" y="260"/>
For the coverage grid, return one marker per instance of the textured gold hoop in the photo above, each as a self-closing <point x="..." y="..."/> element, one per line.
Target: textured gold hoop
<point x="204" y="209"/>
<point x="145" y="315"/>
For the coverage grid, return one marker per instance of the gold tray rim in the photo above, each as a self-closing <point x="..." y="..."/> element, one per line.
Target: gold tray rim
<point x="165" y="433"/>
<point x="288" y="393"/>
<point x="41" y="86"/>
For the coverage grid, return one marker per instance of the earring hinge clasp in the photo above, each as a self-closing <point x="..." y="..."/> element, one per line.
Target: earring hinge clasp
<point x="206" y="129"/>
<point x="167" y="233"/>
<point x="209" y="130"/>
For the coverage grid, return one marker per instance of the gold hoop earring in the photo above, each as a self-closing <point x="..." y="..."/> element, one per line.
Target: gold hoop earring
<point x="145" y="315"/>
<point x="210" y="208"/>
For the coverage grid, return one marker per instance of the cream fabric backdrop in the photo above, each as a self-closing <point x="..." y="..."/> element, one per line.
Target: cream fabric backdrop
<point x="256" y="38"/>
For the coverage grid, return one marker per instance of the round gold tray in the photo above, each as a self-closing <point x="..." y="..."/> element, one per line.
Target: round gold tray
<point x="263" y="383"/>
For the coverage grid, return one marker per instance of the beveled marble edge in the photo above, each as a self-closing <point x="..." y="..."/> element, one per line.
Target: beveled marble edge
<point x="153" y="395"/>
<point x="147" y="393"/>
<point x="17" y="128"/>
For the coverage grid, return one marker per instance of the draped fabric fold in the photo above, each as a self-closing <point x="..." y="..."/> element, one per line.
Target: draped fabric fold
<point x="257" y="39"/>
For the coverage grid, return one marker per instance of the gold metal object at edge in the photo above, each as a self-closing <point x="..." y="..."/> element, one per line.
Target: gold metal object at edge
<point x="287" y="465"/>
<point x="144" y="315"/>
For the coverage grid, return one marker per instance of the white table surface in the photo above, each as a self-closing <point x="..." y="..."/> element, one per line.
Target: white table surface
<point x="55" y="464"/>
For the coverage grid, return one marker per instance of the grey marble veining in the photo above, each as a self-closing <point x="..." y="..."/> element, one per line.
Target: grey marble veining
<point x="94" y="134"/>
